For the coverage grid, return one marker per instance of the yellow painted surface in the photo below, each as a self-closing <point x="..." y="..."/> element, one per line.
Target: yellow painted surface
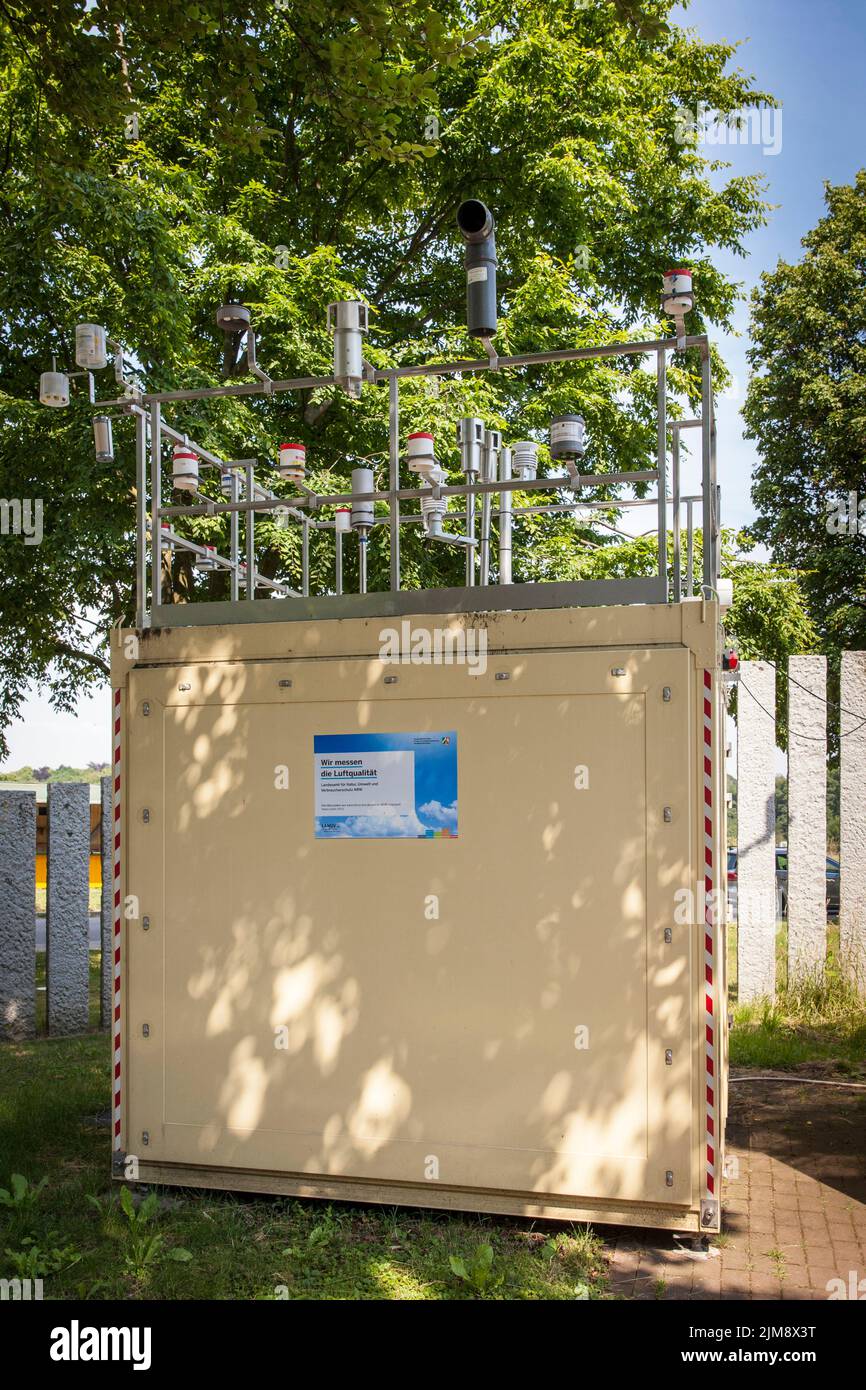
<point x="311" y="1014"/>
<point x="95" y="871"/>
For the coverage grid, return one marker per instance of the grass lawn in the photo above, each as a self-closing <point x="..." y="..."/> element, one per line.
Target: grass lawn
<point x="53" y="1125"/>
<point x="815" y="1021"/>
<point x="69" y="1227"/>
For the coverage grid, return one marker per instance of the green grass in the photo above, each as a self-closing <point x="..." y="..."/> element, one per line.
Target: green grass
<point x="814" y="1020"/>
<point x="214" y="1245"/>
<point x="74" y="1233"/>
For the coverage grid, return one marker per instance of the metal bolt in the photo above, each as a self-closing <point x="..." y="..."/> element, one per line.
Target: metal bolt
<point x="145" y="816"/>
<point x="669" y="1178"/>
<point x="145" y="709"/>
<point x="666" y="694"/>
<point x="669" y="1057"/>
<point x="617" y="670"/>
<point x="145" y="924"/>
<point x="391" y="680"/>
<point x="145" y="1137"/>
<point x="669" y="815"/>
<point x="185" y="686"/>
<point x="145" y="1030"/>
<point x="503" y="676"/>
<point x="284" y="685"/>
<point x="669" y="936"/>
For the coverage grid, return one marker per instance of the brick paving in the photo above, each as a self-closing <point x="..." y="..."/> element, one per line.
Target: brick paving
<point x="793" y="1204"/>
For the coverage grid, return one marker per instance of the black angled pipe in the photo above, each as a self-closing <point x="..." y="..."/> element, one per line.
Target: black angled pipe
<point x="477" y="229"/>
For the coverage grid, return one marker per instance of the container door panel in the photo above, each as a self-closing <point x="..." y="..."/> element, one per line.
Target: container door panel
<point x="492" y="1010"/>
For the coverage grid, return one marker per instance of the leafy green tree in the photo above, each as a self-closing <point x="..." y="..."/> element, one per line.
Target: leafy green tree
<point x="158" y="159"/>
<point x="806" y="408"/>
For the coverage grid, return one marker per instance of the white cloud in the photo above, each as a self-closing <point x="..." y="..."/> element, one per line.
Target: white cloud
<point x="438" y="814"/>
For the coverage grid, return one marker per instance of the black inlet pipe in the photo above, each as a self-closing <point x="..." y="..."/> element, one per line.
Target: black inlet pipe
<point x="477" y="229"/>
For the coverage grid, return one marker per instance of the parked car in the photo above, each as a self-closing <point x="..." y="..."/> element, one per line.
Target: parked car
<point x="832" y="883"/>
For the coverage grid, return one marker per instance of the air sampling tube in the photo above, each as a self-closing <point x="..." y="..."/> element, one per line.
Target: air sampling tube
<point x="477" y="226"/>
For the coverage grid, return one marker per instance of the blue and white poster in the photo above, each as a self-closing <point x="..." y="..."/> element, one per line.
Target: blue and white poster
<point x="386" y="786"/>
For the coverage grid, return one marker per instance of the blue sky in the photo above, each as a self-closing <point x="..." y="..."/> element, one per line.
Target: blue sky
<point x="812" y="57"/>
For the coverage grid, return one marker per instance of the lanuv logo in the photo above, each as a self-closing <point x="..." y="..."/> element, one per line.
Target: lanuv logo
<point x="438" y="646"/>
<point x="77" y="1343"/>
<point x="22" y="516"/>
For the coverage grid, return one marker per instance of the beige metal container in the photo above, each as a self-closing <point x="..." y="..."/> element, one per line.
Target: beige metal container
<point x="525" y="1018"/>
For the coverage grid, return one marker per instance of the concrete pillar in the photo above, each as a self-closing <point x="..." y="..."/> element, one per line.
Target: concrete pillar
<point x="852" y="818"/>
<point x="807" y="816"/>
<point x="17" y="915"/>
<point x="67" y="917"/>
<point x="106" y="977"/>
<point x="756" y="831"/>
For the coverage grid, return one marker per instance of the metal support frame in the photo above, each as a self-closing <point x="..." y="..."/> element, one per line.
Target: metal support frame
<point x="150" y="425"/>
<point x="661" y="464"/>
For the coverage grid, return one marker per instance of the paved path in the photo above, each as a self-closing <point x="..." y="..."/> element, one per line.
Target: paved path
<point x="794" y="1203"/>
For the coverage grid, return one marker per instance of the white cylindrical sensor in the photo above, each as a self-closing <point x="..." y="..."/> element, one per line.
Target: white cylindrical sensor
<point x="293" y="462"/>
<point x="343" y="519"/>
<point x="362" y="512"/>
<point x="567" y="436"/>
<point x="470" y="437"/>
<point x="433" y="509"/>
<point x="102" y="439"/>
<point x="419" y="452"/>
<point x="184" y="469"/>
<point x="91" y="351"/>
<point x="54" y="388"/>
<point x="347" y="321"/>
<point x="524" y="462"/>
<point x="677" y="295"/>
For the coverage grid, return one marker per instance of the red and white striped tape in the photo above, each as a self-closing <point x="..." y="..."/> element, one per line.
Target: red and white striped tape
<point x="116" y="1089"/>
<point x="709" y="938"/>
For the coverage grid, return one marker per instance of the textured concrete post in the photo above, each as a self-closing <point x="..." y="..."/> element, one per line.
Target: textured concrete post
<point x="852" y="819"/>
<point x="807" y="816"/>
<point x="756" y="831"/>
<point x="17" y="915"/>
<point x="67" y="917"/>
<point x="106" y="975"/>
